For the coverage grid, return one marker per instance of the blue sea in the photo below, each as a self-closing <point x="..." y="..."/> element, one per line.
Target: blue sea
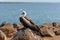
<point x="38" y="12"/>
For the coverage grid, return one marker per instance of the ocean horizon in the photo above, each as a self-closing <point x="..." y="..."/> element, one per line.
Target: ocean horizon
<point x="38" y="12"/>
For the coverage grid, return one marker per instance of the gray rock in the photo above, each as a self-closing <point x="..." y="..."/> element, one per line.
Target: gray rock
<point x="25" y="35"/>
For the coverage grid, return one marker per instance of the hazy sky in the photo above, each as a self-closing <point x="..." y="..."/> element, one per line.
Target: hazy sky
<point x="29" y="0"/>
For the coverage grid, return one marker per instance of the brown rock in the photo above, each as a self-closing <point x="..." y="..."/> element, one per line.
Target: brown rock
<point x="56" y="28"/>
<point x="46" y="30"/>
<point x="3" y="23"/>
<point x="56" y="24"/>
<point x="18" y="26"/>
<point x="57" y="31"/>
<point x="37" y="37"/>
<point x="2" y="36"/>
<point x="47" y="25"/>
<point x="25" y="35"/>
<point x="8" y="29"/>
<point x="52" y="38"/>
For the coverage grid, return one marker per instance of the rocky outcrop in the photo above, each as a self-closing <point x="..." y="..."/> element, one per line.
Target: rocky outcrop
<point x="47" y="31"/>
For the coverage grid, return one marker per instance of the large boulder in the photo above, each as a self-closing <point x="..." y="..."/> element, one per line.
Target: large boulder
<point x="56" y="31"/>
<point x="2" y="36"/>
<point x="26" y="34"/>
<point x="8" y="29"/>
<point x="56" y="28"/>
<point x="46" y="30"/>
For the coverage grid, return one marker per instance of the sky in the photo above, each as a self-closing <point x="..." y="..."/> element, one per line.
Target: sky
<point x="29" y="0"/>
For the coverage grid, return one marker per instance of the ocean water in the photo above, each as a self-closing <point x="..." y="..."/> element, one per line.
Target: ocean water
<point x="38" y="12"/>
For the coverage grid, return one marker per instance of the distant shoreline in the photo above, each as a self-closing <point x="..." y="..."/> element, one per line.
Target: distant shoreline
<point x="23" y="2"/>
<point x="11" y="2"/>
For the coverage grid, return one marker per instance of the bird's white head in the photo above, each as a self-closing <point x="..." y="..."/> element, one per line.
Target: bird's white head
<point x="24" y="13"/>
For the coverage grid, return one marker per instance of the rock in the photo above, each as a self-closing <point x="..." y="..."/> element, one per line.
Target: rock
<point x="46" y="30"/>
<point x="25" y="35"/>
<point x="57" y="32"/>
<point x="37" y="37"/>
<point x="18" y="26"/>
<point x="47" y="25"/>
<point x="52" y="38"/>
<point x="56" y="28"/>
<point x="56" y="24"/>
<point x="3" y="23"/>
<point x="9" y="30"/>
<point x="2" y="36"/>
